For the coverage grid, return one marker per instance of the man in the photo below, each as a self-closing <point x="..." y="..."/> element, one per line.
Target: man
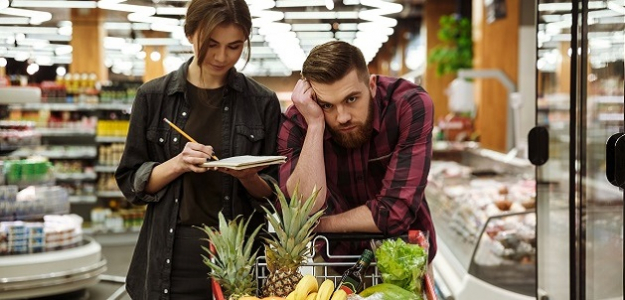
<point x="365" y="140"/>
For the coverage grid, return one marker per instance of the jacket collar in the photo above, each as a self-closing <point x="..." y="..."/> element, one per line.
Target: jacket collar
<point x="179" y="81"/>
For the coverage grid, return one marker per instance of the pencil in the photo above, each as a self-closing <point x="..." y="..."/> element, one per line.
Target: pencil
<point x="184" y="134"/>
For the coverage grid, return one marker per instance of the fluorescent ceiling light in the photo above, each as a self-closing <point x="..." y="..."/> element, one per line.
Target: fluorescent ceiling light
<point x="383" y="6"/>
<point x="616" y="7"/>
<point x="14" y="21"/>
<point x="61" y="4"/>
<point x="177" y="11"/>
<point x="299" y="3"/>
<point x="50" y="37"/>
<point x="568" y="6"/>
<point x="313" y="15"/>
<point x="110" y="5"/>
<point x="157" y="41"/>
<point x="348" y="26"/>
<point x="144" y="18"/>
<point x="27" y="30"/>
<point x="351" y="2"/>
<point x="36" y="17"/>
<point x="315" y="35"/>
<point x="4" y="4"/>
<point x="315" y="42"/>
<point x="311" y="27"/>
<point x="165" y="27"/>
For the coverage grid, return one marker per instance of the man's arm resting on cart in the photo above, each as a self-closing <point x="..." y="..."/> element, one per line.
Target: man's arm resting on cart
<point x="358" y="219"/>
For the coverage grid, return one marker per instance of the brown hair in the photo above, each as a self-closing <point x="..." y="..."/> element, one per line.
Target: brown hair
<point x="331" y="61"/>
<point x="203" y="16"/>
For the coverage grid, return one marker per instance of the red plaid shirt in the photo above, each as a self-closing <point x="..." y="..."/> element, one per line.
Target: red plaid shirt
<point x="388" y="174"/>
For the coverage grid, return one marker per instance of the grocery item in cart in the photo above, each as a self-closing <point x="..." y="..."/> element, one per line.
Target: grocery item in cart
<point x="230" y="258"/>
<point x="287" y="249"/>
<point x="352" y="279"/>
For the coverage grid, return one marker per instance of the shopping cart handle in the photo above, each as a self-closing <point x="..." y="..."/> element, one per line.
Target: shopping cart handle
<point x="357" y="236"/>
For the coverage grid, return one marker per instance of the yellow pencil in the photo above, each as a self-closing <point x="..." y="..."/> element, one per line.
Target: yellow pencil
<point x="184" y="134"/>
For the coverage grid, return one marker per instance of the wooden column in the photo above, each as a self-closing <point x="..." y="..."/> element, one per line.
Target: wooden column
<point x="563" y="71"/>
<point x="434" y="84"/>
<point x="88" y="42"/>
<point x="154" y="69"/>
<point x="495" y="46"/>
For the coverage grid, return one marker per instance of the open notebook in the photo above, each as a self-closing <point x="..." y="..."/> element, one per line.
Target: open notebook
<point x="245" y="162"/>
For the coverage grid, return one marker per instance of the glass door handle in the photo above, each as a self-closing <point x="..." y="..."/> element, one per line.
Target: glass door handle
<point x="615" y="159"/>
<point x="538" y="145"/>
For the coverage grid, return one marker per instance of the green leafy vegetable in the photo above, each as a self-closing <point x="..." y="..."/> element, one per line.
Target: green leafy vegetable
<point x="402" y="264"/>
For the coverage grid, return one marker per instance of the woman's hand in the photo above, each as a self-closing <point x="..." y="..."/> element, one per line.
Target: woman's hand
<point x="242" y="175"/>
<point x="303" y="99"/>
<point x="192" y="156"/>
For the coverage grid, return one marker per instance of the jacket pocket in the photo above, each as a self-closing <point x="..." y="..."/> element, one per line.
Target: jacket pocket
<point x="157" y="140"/>
<point x="248" y="140"/>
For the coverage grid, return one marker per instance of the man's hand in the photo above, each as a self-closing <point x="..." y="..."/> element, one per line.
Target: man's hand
<point x="303" y="99"/>
<point x="192" y="156"/>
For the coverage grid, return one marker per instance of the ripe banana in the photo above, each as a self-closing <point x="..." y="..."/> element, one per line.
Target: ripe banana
<point x="339" y="295"/>
<point x="325" y="290"/>
<point x="291" y="296"/>
<point x="311" y="296"/>
<point x="305" y="286"/>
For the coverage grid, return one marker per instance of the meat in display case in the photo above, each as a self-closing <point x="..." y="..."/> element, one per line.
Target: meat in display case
<point x="483" y="210"/>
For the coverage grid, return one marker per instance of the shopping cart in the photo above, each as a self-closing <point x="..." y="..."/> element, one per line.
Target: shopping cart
<point x="323" y="270"/>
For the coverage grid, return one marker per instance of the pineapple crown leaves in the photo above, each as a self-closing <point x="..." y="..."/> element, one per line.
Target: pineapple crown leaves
<point x="233" y="257"/>
<point x="293" y="229"/>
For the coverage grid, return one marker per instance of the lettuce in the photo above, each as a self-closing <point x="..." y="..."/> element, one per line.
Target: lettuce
<point x="402" y="264"/>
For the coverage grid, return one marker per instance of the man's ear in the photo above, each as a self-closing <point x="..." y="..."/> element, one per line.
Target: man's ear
<point x="373" y="84"/>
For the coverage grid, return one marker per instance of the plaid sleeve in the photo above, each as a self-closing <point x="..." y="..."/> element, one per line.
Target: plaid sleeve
<point x="396" y="205"/>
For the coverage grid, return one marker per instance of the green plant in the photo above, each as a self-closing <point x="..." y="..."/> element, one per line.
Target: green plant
<point x="456" y="48"/>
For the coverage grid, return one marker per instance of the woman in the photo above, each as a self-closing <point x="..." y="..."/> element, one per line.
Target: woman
<point x="229" y="115"/>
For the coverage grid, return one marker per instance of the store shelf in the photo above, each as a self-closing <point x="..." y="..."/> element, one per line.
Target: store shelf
<point x="110" y="139"/>
<point x="75" y="176"/>
<point x="105" y="169"/>
<point x="78" y="152"/>
<point x="110" y="194"/>
<point x="52" y="132"/>
<point x="50" y="273"/>
<point x="83" y="199"/>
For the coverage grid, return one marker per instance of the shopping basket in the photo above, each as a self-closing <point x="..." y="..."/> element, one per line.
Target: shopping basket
<point x="325" y="270"/>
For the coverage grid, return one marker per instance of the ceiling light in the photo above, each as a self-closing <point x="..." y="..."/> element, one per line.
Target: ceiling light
<point x="61" y="71"/>
<point x="313" y="15"/>
<point x="616" y="7"/>
<point x="145" y="18"/>
<point x="315" y="35"/>
<point x="329" y="4"/>
<point x="141" y="55"/>
<point x="311" y="27"/>
<point x="157" y="41"/>
<point x="61" y="4"/>
<point x="300" y="3"/>
<point x="155" y="56"/>
<point x="63" y="50"/>
<point x="32" y="69"/>
<point x="3" y="62"/>
<point x="14" y="21"/>
<point x="351" y="2"/>
<point x="348" y="26"/>
<point x="114" y="5"/>
<point x="66" y="30"/>
<point x="36" y="17"/>
<point x="44" y="60"/>
<point x="177" y="11"/>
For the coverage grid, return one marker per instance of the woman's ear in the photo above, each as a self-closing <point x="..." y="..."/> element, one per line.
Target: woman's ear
<point x="373" y="84"/>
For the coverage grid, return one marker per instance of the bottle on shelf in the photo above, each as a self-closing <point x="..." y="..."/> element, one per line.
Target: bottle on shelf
<point x="352" y="279"/>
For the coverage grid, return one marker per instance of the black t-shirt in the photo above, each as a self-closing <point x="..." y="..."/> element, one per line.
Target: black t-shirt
<point x="202" y="192"/>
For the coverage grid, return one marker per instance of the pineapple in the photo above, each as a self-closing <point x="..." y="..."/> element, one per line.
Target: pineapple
<point x="233" y="257"/>
<point x="286" y="251"/>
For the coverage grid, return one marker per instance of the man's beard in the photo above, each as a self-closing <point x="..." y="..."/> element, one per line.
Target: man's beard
<point x="358" y="136"/>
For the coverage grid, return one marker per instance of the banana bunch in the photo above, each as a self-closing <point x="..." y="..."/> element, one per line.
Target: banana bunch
<point x="309" y="289"/>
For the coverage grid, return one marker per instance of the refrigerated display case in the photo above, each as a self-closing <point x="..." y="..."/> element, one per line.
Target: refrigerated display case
<point x="580" y="95"/>
<point x="482" y="204"/>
